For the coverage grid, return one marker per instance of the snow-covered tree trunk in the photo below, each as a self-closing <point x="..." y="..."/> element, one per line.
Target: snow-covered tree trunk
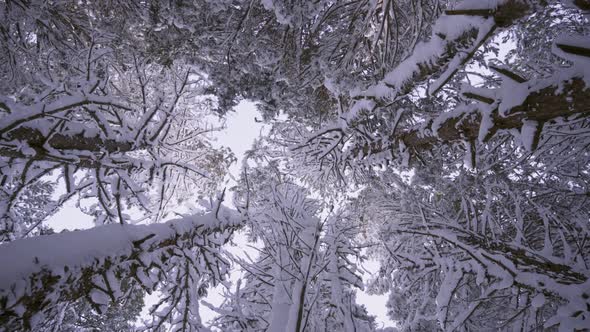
<point x="44" y="271"/>
<point x="310" y="240"/>
<point x="281" y="297"/>
<point x="338" y="294"/>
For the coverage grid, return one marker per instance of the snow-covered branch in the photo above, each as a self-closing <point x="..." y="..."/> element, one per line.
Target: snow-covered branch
<point x="455" y="37"/>
<point x="543" y="102"/>
<point x="92" y="263"/>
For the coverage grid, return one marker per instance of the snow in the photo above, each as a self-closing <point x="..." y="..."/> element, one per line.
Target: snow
<point x="99" y="297"/>
<point x="363" y="104"/>
<point x="81" y="248"/>
<point x="483" y="30"/>
<point x="271" y="6"/>
<point x="403" y="151"/>
<point x="495" y="271"/>
<point x="486" y="124"/>
<point x="511" y="94"/>
<point x="581" y="63"/>
<point x="527" y="134"/>
<point x="479" y="4"/>
<point x="538" y="301"/>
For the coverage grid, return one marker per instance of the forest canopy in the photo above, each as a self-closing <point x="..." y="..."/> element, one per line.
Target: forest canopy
<point x="446" y="139"/>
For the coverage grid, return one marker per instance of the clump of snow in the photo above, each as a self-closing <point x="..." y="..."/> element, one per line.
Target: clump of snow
<point x="479" y="4"/>
<point x="528" y="132"/>
<point x="484" y="29"/>
<point x="511" y="94"/>
<point x="486" y="124"/>
<point x="403" y="151"/>
<point x="363" y="104"/>
<point x="538" y="301"/>
<point x="581" y="64"/>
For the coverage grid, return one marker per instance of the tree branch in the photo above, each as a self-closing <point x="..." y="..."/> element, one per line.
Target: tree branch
<point x="573" y="94"/>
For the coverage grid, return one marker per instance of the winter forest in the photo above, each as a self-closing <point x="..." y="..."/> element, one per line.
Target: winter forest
<point x="445" y="142"/>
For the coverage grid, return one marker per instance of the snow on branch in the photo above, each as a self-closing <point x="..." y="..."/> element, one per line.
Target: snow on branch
<point x="20" y="114"/>
<point x="45" y="270"/>
<point x="481" y="122"/>
<point x="505" y="265"/>
<point x="81" y="140"/>
<point x="454" y="40"/>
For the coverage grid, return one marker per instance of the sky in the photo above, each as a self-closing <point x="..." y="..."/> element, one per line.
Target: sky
<point x="240" y="132"/>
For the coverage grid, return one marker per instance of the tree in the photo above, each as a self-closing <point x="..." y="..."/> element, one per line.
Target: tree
<point x="303" y="277"/>
<point x="110" y="123"/>
<point x="494" y="166"/>
<point x="119" y="315"/>
<point x="487" y="239"/>
<point x="463" y="167"/>
<point x="177" y="257"/>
